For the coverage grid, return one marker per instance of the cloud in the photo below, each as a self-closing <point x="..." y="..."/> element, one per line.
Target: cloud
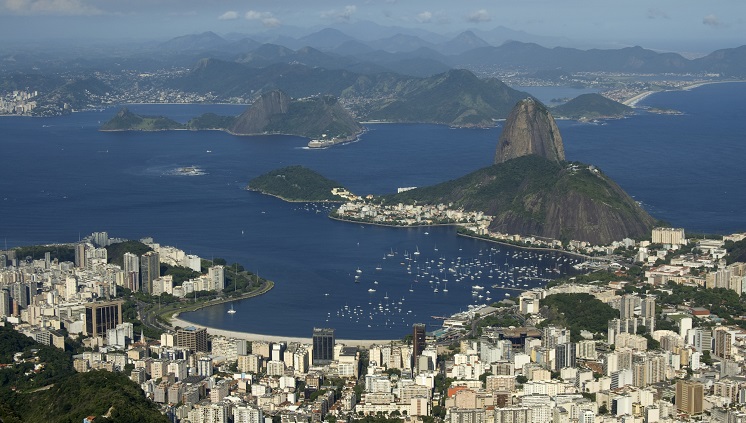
<point x="228" y="16"/>
<point x="657" y="13"/>
<point x="51" y="7"/>
<point x="479" y="16"/>
<point x="342" y="15"/>
<point x="712" y="20"/>
<point x="267" y="18"/>
<point x="425" y="17"/>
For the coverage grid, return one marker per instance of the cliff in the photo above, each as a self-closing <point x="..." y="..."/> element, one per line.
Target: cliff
<point x="257" y="117"/>
<point x="275" y="113"/>
<point x="530" y="129"/>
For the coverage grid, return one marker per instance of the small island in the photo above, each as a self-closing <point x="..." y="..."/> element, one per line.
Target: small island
<point x="592" y="106"/>
<point x="299" y="184"/>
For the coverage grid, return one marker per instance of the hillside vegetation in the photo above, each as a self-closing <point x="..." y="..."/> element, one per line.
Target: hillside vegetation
<point x="578" y="312"/>
<point x="56" y="393"/>
<point x="592" y="106"/>
<point x="125" y="120"/>
<point x="295" y="183"/>
<point x="534" y="196"/>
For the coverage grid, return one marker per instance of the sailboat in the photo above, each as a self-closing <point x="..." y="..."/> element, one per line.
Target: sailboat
<point x="417" y="251"/>
<point x="232" y="310"/>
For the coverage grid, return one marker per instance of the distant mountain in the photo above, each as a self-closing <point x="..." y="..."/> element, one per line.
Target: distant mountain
<point x="326" y="39"/>
<point x="535" y="57"/>
<point x="592" y="106"/>
<point x="463" y="42"/>
<point x="422" y="62"/>
<point x="276" y="113"/>
<point x="270" y="54"/>
<point x="204" y="41"/>
<point x="400" y="43"/>
<point x="352" y="48"/>
<point x="500" y="35"/>
<point x="456" y="98"/>
<point x="729" y="62"/>
<point x="296" y="183"/>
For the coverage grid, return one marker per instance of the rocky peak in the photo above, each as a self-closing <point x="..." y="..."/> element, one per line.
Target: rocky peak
<point x="530" y="129"/>
<point x="257" y="117"/>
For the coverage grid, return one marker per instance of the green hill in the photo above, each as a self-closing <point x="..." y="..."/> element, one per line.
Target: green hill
<point x="211" y="121"/>
<point x="295" y="183"/>
<point x="125" y="120"/>
<point x="311" y="117"/>
<point x="456" y="98"/>
<point x="533" y="196"/>
<point x="591" y="106"/>
<point x="55" y="393"/>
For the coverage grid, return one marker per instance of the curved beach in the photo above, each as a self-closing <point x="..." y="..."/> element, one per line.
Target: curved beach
<point x="176" y="321"/>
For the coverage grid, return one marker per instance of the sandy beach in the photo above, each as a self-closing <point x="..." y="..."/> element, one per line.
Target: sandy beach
<point x="176" y="321"/>
<point x="632" y="102"/>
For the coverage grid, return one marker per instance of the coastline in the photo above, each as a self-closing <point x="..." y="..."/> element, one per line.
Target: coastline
<point x="294" y="201"/>
<point x="177" y="321"/>
<point x="526" y="247"/>
<point x="632" y="102"/>
<point x="362" y="222"/>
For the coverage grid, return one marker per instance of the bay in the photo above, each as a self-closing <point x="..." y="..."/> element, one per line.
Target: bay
<point x="61" y="178"/>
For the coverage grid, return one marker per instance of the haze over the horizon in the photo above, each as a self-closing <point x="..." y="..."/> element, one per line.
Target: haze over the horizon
<point x="677" y="25"/>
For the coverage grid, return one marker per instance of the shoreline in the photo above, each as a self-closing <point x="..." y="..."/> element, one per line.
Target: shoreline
<point x="525" y="247"/>
<point x="632" y="102"/>
<point x="250" y="336"/>
<point x="362" y="222"/>
<point x="295" y="201"/>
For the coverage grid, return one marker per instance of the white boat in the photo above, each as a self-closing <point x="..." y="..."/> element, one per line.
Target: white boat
<point x="232" y="310"/>
<point x="371" y="290"/>
<point x="417" y="251"/>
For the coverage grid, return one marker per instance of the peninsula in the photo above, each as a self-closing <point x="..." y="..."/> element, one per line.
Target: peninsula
<point x="531" y="191"/>
<point x="299" y="184"/>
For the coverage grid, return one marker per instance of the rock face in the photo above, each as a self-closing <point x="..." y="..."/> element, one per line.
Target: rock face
<point x="530" y="129"/>
<point x="257" y="117"/>
<point x="312" y="117"/>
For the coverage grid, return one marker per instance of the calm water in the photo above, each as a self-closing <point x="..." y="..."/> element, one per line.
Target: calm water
<point x="61" y="178"/>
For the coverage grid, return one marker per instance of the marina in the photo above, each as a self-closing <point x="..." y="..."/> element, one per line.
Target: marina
<point x="486" y="275"/>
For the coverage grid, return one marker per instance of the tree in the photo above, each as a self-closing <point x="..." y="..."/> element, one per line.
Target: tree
<point x="521" y="379"/>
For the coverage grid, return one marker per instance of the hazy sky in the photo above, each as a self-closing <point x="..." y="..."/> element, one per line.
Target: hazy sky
<point x="651" y="23"/>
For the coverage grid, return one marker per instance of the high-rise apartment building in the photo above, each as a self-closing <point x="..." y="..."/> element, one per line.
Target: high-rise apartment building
<point x="689" y="397"/>
<point x="418" y="339"/>
<point x="100" y="317"/>
<point x="131" y="267"/>
<point x="192" y="339"/>
<point x="323" y="345"/>
<point x="150" y="269"/>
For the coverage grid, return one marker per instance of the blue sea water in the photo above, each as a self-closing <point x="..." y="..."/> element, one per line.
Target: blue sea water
<point x="61" y="178"/>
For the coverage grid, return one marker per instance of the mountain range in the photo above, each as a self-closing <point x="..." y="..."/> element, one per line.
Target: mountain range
<point x="469" y="48"/>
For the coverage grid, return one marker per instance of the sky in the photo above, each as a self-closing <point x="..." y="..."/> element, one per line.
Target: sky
<point x="664" y="24"/>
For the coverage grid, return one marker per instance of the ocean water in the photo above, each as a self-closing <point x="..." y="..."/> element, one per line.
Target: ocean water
<point x="61" y="178"/>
